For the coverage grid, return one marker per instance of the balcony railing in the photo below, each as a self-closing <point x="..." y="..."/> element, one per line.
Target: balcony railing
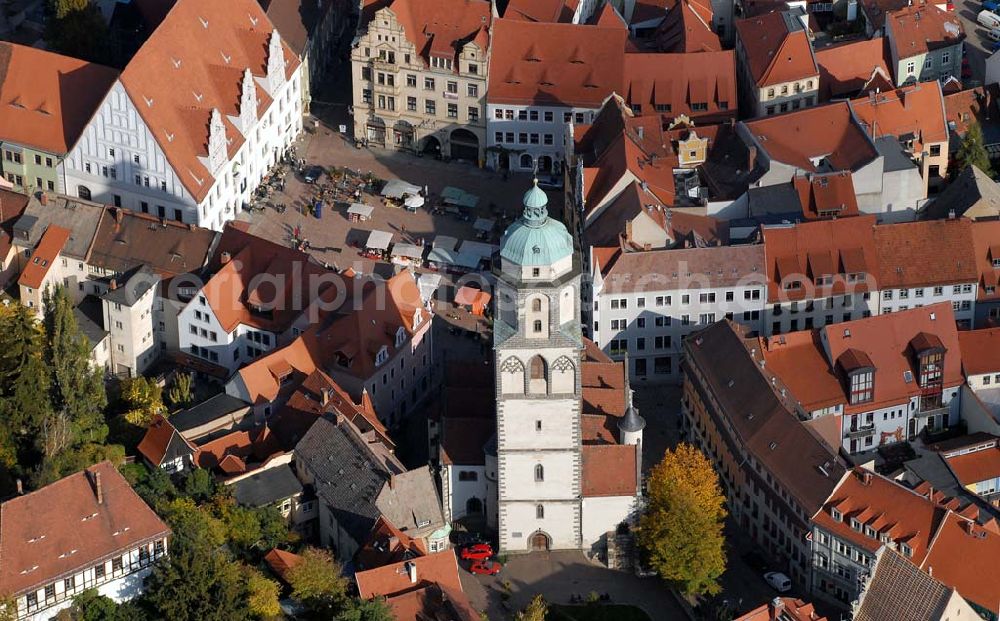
<point x="861" y="430"/>
<point x="943" y="411"/>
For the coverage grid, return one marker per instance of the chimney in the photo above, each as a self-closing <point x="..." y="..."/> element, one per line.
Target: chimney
<point x="324" y="396"/>
<point x="951" y="214"/>
<point x="641" y="131"/>
<point x="119" y="215"/>
<point x="43" y="198"/>
<point x="20" y="487"/>
<point x="393" y="542"/>
<point x="113" y="284"/>
<point x="226" y="257"/>
<point x="411" y="569"/>
<point x="392" y="481"/>
<point x="776" y="607"/>
<point x="751" y="158"/>
<point x="95" y="480"/>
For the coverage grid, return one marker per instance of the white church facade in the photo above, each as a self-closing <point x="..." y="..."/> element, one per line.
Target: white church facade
<point x="568" y="471"/>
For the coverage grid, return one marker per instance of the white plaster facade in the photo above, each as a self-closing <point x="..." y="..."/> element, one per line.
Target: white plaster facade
<point x="962" y="297"/>
<point x="200" y="334"/>
<point x="119" y="577"/>
<point x="528" y="138"/>
<point x="119" y="161"/>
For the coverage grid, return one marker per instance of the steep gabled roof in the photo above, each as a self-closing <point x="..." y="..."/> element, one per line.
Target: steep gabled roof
<point x="47" y="99"/>
<point x="847" y="69"/>
<point x="925" y="253"/>
<point x="920" y="28"/>
<point x="205" y="46"/>
<point x="440" y="27"/>
<point x="687" y="28"/>
<point x="43" y="257"/>
<point x="916" y="112"/>
<point x="777" y="48"/>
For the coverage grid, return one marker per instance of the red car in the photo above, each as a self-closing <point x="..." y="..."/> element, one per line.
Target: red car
<point x="477" y="552"/>
<point x="485" y="568"/>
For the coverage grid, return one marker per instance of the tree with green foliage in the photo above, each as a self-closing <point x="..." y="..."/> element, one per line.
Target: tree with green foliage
<point x="198" y="583"/>
<point x="193" y="526"/>
<point x="317" y="582"/>
<point x="681" y="529"/>
<point x="24" y="378"/>
<point x="76" y="459"/>
<point x="77" y="388"/>
<point x="90" y="606"/>
<point x="536" y="610"/>
<point x="143" y="399"/>
<point x="262" y="594"/>
<point x="365" y="610"/>
<point x="76" y="28"/>
<point x="181" y="390"/>
<point x="199" y="484"/>
<point x="972" y="151"/>
<point x="152" y="484"/>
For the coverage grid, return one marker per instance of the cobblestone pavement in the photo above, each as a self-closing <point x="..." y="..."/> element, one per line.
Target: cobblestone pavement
<point x="560" y="575"/>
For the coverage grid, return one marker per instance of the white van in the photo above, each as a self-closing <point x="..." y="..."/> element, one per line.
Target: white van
<point x="988" y="20"/>
<point x="993" y="34"/>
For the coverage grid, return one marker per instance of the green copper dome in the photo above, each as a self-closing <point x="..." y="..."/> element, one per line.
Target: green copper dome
<point x="535" y="238"/>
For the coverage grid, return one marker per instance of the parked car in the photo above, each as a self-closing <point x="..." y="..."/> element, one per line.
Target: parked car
<point x="485" y="567"/>
<point x="993" y="48"/>
<point x="477" y="552"/>
<point x="554" y="182"/>
<point x="778" y="581"/>
<point x="988" y="20"/>
<point x="312" y="174"/>
<point x="991" y="5"/>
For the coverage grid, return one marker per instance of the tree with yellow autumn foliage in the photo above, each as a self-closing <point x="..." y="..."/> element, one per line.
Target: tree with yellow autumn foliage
<point x="681" y="529"/>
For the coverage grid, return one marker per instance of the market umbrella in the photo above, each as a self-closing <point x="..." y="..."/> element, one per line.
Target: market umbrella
<point x="414" y="201"/>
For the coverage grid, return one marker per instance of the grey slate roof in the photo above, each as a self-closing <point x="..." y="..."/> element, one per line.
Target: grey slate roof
<point x="79" y="216"/>
<point x="972" y="194"/>
<point x="899" y="591"/>
<point x="89" y="315"/>
<point x="348" y="476"/>
<point x="411" y="501"/>
<point x="132" y="286"/>
<point x="267" y="487"/>
<point x="893" y="154"/>
<point x="206" y="411"/>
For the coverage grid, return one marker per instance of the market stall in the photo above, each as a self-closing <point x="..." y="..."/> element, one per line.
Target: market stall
<point x="378" y="244"/>
<point x="452" y="261"/>
<point x="407" y="254"/>
<point x="359" y="212"/>
<point x="413" y="203"/>
<point x="397" y="189"/>
<point x="472" y="299"/>
<point x="459" y="198"/>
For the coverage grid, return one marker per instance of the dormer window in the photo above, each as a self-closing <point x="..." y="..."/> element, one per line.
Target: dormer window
<point x="400" y="336"/>
<point x="862" y="385"/>
<point x="382" y="356"/>
<point x="931" y="368"/>
<point x="835" y="514"/>
<point x="906" y="550"/>
<point x="855" y="524"/>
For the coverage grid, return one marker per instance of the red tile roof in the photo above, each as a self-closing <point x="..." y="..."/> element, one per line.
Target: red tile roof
<point x="281" y="561"/>
<point x="775" y="54"/>
<point x="552" y="11"/>
<point x="916" y="110"/>
<point x="963" y="556"/>
<point x="563" y="64"/>
<point x="802" y="137"/>
<point x="886" y="507"/>
<point x="156" y="441"/>
<point x="387" y="544"/>
<point x="440" y="568"/>
<point x="790" y="610"/>
<point x="826" y="195"/>
<point x="687" y="28"/>
<point x="680" y="81"/>
<point x="232" y="452"/>
<point x="463" y="440"/>
<point x="986" y="245"/>
<point x="206" y="47"/>
<point x="926" y="253"/>
<point x="44" y="256"/>
<point x="609" y="470"/>
<point x="442" y="27"/>
<point x="875" y="11"/>
<point x="920" y="28"/>
<point x="798" y="359"/>
<point x="47" y="99"/>
<point x="980" y="351"/>
<point x="847" y="69"/>
<point x="68" y="526"/>
<point x="969" y="106"/>
<point x="888" y="341"/>
<point x="976" y="467"/>
<point x="808" y="251"/>
<point x="432" y="602"/>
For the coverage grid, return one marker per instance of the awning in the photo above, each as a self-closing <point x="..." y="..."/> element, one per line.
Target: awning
<point x="444" y="242"/>
<point x="450" y="257"/>
<point x="470" y="296"/>
<point x="456" y="196"/>
<point x="481" y="250"/>
<point x="378" y="240"/>
<point x="428" y="285"/>
<point x="397" y="188"/>
<point x="484" y="224"/>
<point x="360" y="209"/>
<point x="409" y="251"/>
<point x="414" y="202"/>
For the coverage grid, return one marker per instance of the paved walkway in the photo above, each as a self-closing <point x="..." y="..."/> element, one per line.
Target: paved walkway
<point x="559" y="575"/>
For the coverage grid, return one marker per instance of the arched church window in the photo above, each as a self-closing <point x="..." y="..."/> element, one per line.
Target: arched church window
<point x="539" y="472"/>
<point x="538" y="325"/>
<point x="536" y="305"/>
<point x="540" y="512"/>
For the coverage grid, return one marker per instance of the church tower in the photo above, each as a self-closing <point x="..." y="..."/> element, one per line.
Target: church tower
<point x="538" y="346"/>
